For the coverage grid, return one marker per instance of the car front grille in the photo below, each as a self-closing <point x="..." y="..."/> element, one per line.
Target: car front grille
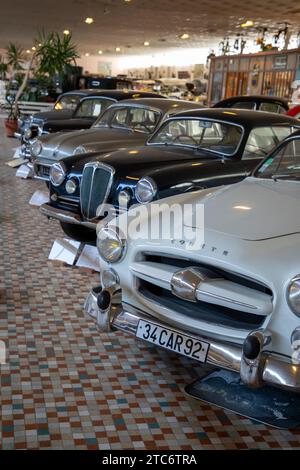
<point x="42" y="171"/>
<point x="96" y="183"/>
<point x="153" y="276"/>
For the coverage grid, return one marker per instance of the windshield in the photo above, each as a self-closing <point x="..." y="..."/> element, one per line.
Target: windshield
<point x="262" y="140"/>
<point x="93" y="107"/>
<point x="67" y="102"/>
<point x="283" y="164"/>
<point x="217" y="137"/>
<point x="135" y="118"/>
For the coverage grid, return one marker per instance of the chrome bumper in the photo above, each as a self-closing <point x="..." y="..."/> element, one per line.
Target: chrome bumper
<point x="66" y="216"/>
<point x="266" y="369"/>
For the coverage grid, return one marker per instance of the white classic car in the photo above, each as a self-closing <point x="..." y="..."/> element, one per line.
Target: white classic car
<point x="234" y="302"/>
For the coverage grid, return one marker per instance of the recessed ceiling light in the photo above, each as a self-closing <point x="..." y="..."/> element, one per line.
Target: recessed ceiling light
<point x="33" y="48"/>
<point x="89" y="20"/>
<point x="100" y="52"/>
<point x="146" y="43"/>
<point x="247" y="24"/>
<point x="87" y="54"/>
<point x="40" y="44"/>
<point x="127" y="1"/>
<point x="28" y="51"/>
<point x="184" y="36"/>
<point x="118" y="49"/>
<point x="66" y="32"/>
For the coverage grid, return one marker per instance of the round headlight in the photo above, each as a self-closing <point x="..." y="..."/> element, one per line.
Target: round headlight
<point x="109" y="278"/>
<point x="124" y="198"/>
<point x="71" y="186"/>
<point x="110" y="245"/>
<point x="79" y="150"/>
<point x="293" y="295"/>
<point x="57" y="174"/>
<point x="145" y="190"/>
<point x="36" y="148"/>
<point x="27" y="134"/>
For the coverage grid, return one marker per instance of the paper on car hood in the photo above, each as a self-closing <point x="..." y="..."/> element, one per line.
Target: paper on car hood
<point x="254" y="209"/>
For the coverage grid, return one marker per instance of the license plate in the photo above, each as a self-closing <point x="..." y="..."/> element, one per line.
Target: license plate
<point x="172" y="340"/>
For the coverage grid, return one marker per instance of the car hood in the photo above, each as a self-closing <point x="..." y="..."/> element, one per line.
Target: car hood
<point x="62" y="145"/>
<point x="50" y="115"/>
<point x="253" y="209"/>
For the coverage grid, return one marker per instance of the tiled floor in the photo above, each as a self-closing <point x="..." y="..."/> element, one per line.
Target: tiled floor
<point x="66" y="386"/>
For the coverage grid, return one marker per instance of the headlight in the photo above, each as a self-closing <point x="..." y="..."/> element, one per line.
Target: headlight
<point x="124" y="198"/>
<point x="36" y="148"/>
<point x="110" y="245"/>
<point x="71" y="186"/>
<point x="145" y="190"/>
<point x="28" y="134"/>
<point x="57" y="174"/>
<point x="293" y="295"/>
<point x="79" y="150"/>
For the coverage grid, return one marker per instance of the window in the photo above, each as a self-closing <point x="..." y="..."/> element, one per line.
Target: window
<point x="68" y="102"/>
<point x="89" y="108"/>
<point x="284" y="163"/>
<point x="271" y="107"/>
<point x="136" y="118"/>
<point x="217" y="137"/>
<point x="262" y="140"/>
<point x="243" y="105"/>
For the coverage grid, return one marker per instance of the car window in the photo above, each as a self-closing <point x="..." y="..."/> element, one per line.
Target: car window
<point x="135" y="118"/>
<point x="283" y="163"/>
<point x="271" y="107"/>
<point x="217" y="137"/>
<point x="67" y="102"/>
<point x="243" y="105"/>
<point x="262" y="140"/>
<point x="89" y="108"/>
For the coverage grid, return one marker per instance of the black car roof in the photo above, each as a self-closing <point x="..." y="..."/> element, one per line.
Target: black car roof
<point x="117" y="94"/>
<point x="243" y="117"/>
<point x="247" y="98"/>
<point x="163" y="104"/>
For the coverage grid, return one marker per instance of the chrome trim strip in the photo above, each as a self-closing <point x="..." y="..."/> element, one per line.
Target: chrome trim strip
<point x="65" y="216"/>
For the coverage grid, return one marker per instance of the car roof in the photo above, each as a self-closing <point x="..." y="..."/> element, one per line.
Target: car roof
<point x="117" y="94"/>
<point x="247" y="98"/>
<point x="243" y="117"/>
<point x="162" y="104"/>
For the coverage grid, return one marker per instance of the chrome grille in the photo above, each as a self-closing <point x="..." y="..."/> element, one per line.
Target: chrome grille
<point x="95" y="186"/>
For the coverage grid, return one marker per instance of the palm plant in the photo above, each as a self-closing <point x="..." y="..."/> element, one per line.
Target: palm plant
<point x="3" y="68"/>
<point x="15" y="57"/>
<point x="54" y="53"/>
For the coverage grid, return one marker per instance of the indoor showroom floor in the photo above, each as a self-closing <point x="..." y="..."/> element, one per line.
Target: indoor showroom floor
<point x="65" y="386"/>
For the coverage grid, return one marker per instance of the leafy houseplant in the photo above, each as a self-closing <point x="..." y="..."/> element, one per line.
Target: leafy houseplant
<point x="3" y="68"/>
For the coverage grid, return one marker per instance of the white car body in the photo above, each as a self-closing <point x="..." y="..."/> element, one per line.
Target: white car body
<point x="252" y="231"/>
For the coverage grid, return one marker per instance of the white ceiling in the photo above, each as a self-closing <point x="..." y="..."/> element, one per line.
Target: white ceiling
<point x="128" y="25"/>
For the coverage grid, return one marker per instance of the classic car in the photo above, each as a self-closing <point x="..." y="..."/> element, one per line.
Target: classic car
<point x="122" y="125"/>
<point x="192" y="150"/>
<point x="294" y="111"/>
<point x="271" y="104"/>
<point x="63" y="107"/>
<point x="91" y="105"/>
<point x="234" y="302"/>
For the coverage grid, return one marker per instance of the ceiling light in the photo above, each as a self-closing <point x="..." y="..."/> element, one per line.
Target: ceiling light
<point x="33" y="48"/>
<point x="247" y="24"/>
<point x="146" y="43"/>
<point x="184" y="36"/>
<point x="127" y="1"/>
<point x="87" y="54"/>
<point x="118" y="49"/>
<point x="100" y="52"/>
<point x="89" y="20"/>
<point x="40" y="44"/>
<point x="28" y="51"/>
<point x="66" y="32"/>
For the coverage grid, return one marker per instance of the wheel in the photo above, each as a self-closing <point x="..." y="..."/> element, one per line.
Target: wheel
<point x="79" y="233"/>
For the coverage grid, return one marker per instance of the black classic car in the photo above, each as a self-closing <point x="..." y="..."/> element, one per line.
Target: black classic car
<point x="270" y="104"/>
<point x="193" y="150"/>
<point x="123" y="125"/>
<point x="90" y="106"/>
